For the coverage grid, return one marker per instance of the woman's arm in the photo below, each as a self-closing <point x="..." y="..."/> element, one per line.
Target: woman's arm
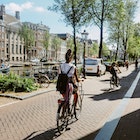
<point x="76" y="75"/>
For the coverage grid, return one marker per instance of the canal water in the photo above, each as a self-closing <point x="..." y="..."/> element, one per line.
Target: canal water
<point x="36" y="68"/>
<point x="20" y="70"/>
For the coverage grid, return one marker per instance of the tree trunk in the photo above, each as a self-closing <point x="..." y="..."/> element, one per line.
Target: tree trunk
<point x="75" y="48"/>
<point x="101" y="40"/>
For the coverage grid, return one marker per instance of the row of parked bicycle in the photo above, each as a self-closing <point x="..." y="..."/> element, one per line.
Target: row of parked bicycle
<point x="43" y="76"/>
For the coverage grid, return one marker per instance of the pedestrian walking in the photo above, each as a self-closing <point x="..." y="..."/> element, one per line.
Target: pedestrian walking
<point x="136" y="64"/>
<point x="126" y="64"/>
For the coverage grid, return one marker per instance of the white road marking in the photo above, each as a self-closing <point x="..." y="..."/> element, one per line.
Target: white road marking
<point x="9" y="103"/>
<point x="109" y="127"/>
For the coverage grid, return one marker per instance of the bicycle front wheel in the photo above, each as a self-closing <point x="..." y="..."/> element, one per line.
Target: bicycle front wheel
<point x="62" y="118"/>
<point x="78" y="107"/>
<point x="44" y="81"/>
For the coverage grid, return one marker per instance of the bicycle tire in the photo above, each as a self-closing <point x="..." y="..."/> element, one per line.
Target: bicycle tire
<point x="44" y="81"/>
<point x="62" y="118"/>
<point x="118" y="81"/>
<point x="78" y="107"/>
<point x="112" y="83"/>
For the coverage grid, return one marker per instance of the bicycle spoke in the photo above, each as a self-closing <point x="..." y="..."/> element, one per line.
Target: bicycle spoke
<point x="44" y="82"/>
<point x="62" y="119"/>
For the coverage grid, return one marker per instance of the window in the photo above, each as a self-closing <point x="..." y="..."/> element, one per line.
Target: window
<point x="7" y="36"/>
<point x="13" y="48"/>
<point x="20" y="49"/>
<point x="90" y="62"/>
<point x="16" y="49"/>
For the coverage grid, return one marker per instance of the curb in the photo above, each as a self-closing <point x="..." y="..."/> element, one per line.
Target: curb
<point x="26" y="96"/>
<point x="34" y="93"/>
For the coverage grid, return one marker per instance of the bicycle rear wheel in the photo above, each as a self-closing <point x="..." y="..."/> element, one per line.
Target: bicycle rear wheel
<point x="62" y="118"/>
<point x="44" y="81"/>
<point x="112" y="84"/>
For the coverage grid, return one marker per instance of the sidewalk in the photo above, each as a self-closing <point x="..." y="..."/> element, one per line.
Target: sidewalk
<point x="34" y="118"/>
<point x="22" y="95"/>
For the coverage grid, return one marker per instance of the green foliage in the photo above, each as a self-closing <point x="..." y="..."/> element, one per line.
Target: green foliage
<point x="56" y="42"/>
<point x="74" y="12"/>
<point x="13" y="82"/>
<point x="46" y="41"/>
<point x="28" y="36"/>
<point x="134" y="42"/>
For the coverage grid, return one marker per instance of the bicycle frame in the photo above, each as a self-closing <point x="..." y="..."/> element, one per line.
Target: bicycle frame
<point x="67" y="110"/>
<point x="113" y="82"/>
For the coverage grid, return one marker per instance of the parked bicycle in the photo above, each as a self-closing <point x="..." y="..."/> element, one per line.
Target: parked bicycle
<point x="114" y="83"/>
<point x="42" y="79"/>
<point x="68" y="110"/>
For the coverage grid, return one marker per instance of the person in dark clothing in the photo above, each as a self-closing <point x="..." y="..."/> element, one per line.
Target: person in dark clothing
<point x="127" y="64"/>
<point x="113" y="71"/>
<point x="136" y="64"/>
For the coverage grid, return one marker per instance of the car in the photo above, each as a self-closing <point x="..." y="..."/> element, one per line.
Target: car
<point x="43" y="59"/>
<point x="95" y="66"/>
<point x="35" y="60"/>
<point x="108" y="65"/>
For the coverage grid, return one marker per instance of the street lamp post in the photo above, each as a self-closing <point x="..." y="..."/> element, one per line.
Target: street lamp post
<point x="84" y="38"/>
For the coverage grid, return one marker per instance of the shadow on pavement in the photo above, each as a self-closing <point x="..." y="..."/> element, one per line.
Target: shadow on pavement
<point x="117" y="93"/>
<point x="127" y="128"/>
<point x="47" y="135"/>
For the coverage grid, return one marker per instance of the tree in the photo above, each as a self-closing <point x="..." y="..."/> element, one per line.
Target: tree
<point x="28" y="37"/>
<point x="121" y="24"/>
<point x="94" y="50"/>
<point x="130" y="7"/>
<point x="70" y="44"/>
<point x="56" y="42"/>
<point x="106" y="51"/>
<point x="73" y="12"/>
<point x="134" y="42"/>
<point x="46" y="41"/>
<point x="99" y="12"/>
<point x="115" y="25"/>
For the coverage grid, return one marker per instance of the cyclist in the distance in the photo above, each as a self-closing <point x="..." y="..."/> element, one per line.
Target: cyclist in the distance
<point x="73" y="77"/>
<point x="113" y="70"/>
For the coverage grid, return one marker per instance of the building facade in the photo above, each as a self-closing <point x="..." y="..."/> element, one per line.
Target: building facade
<point x="12" y="44"/>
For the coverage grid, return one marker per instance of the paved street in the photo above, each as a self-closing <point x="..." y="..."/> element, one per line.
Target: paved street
<point x="35" y="118"/>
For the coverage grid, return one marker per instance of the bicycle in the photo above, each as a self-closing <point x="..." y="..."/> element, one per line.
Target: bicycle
<point x="68" y="110"/>
<point x="113" y="82"/>
<point x="42" y="79"/>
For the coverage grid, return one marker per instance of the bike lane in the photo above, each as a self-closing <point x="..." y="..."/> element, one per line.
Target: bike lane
<point x="35" y="118"/>
<point x="128" y="126"/>
<point x="108" y="129"/>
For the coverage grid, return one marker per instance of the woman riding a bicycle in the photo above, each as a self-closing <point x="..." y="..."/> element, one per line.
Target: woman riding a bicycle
<point x="73" y="77"/>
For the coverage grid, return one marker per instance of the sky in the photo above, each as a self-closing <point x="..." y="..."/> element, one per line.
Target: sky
<point x="36" y="11"/>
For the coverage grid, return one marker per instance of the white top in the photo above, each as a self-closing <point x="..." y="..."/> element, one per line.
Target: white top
<point x="65" y="68"/>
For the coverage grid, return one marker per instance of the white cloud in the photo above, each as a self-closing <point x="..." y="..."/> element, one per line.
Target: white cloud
<point x="27" y="5"/>
<point x="39" y="9"/>
<point x="12" y="7"/>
